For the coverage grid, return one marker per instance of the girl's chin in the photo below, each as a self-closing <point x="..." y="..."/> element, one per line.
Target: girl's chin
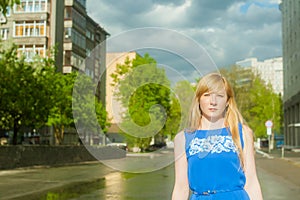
<point x="214" y="117"/>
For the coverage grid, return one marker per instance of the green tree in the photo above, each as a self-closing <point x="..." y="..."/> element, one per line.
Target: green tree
<point x="174" y="119"/>
<point x="181" y="97"/>
<point x="89" y="114"/>
<point x="144" y="90"/>
<point x="75" y="102"/>
<point x="24" y="91"/>
<point x="265" y="105"/>
<point x="4" y="4"/>
<point x="61" y="115"/>
<point x="241" y="81"/>
<point x="33" y="94"/>
<point x="255" y="99"/>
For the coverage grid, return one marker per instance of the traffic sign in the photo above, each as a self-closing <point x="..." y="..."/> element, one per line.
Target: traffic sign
<point x="269" y="131"/>
<point x="269" y="124"/>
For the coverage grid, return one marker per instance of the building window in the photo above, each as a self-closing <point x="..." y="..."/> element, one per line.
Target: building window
<point x="78" y="39"/>
<point x="77" y="61"/>
<point x="67" y="58"/>
<point x="4" y="33"/>
<point x="78" y="19"/>
<point x="7" y="11"/>
<point x="29" y="28"/>
<point x="88" y="52"/>
<point x="88" y="34"/>
<point x="31" y="6"/>
<point x="68" y="33"/>
<point x="68" y="13"/>
<point x="89" y="73"/>
<point x="98" y="37"/>
<point x="30" y="51"/>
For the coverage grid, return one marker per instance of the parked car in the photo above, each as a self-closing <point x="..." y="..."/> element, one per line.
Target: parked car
<point x="119" y="145"/>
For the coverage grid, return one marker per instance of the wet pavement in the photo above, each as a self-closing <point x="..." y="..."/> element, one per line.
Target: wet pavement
<point x="279" y="178"/>
<point x="32" y="182"/>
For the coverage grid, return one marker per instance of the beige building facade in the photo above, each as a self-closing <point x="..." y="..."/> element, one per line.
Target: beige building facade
<point x="113" y="106"/>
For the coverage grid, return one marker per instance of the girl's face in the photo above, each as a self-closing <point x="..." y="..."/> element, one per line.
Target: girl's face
<point x="213" y="104"/>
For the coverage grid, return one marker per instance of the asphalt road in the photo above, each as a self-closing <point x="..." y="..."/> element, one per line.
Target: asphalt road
<point x="279" y="178"/>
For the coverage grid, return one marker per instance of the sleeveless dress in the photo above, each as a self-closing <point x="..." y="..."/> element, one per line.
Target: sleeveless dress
<point x="214" y="170"/>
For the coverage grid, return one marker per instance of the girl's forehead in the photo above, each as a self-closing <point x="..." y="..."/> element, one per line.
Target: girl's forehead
<point x="214" y="86"/>
<point x="216" y="90"/>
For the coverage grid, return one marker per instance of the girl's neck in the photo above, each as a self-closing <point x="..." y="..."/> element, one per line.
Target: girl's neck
<point x="210" y="124"/>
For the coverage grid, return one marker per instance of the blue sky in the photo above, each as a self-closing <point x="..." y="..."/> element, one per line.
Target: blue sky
<point x="244" y="7"/>
<point x="228" y="30"/>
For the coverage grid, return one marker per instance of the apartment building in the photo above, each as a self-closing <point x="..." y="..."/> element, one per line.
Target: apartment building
<point x="270" y="70"/>
<point x="84" y="45"/>
<point x="34" y="27"/>
<point x="291" y="73"/>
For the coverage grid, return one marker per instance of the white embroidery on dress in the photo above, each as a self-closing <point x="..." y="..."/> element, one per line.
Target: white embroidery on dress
<point x="212" y="144"/>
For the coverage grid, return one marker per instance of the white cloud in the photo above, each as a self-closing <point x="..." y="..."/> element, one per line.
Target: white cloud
<point x="219" y="26"/>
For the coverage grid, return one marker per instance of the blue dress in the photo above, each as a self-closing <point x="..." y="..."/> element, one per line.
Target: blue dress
<point x="214" y="170"/>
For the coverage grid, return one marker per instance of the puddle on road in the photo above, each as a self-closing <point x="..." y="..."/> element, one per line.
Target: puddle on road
<point x="73" y="191"/>
<point x="116" y="186"/>
<point x="108" y="188"/>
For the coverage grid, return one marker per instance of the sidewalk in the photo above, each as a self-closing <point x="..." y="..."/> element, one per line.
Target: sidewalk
<point x="289" y="155"/>
<point x="288" y="168"/>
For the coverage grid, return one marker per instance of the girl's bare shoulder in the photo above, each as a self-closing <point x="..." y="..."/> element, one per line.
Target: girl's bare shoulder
<point x="248" y="133"/>
<point x="179" y="138"/>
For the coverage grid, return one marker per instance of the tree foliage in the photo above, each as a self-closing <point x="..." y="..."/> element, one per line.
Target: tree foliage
<point x="265" y="105"/>
<point x="25" y="91"/>
<point x="144" y="91"/>
<point x="181" y="97"/>
<point x="4" y="4"/>
<point x="89" y="114"/>
<point x="81" y="108"/>
<point x="33" y="94"/>
<point x="256" y="99"/>
<point x="61" y="115"/>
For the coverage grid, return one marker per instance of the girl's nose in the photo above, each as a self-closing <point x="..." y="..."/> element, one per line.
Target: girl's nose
<point x="213" y="99"/>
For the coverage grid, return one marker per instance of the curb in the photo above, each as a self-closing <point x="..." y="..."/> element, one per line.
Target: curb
<point x="264" y="154"/>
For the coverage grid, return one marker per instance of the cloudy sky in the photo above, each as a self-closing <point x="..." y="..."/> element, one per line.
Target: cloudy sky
<point x="229" y="30"/>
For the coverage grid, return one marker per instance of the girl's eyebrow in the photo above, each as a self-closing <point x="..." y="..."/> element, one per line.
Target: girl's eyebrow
<point x="217" y="92"/>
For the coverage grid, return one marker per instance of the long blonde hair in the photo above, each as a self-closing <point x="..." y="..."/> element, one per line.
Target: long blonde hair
<point x="213" y="82"/>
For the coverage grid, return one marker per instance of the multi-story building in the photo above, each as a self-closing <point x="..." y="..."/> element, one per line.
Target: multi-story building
<point x="291" y="64"/>
<point x="34" y="26"/>
<point x="270" y="70"/>
<point x="84" y="44"/>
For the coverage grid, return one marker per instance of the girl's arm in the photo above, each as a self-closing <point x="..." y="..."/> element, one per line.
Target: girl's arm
<point x="181" y="186"/>
<point x="252" y="184"/>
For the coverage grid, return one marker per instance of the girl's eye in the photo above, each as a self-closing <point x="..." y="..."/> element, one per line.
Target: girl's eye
<point x="206" y="94"/>
<point x="220" y="95"/>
